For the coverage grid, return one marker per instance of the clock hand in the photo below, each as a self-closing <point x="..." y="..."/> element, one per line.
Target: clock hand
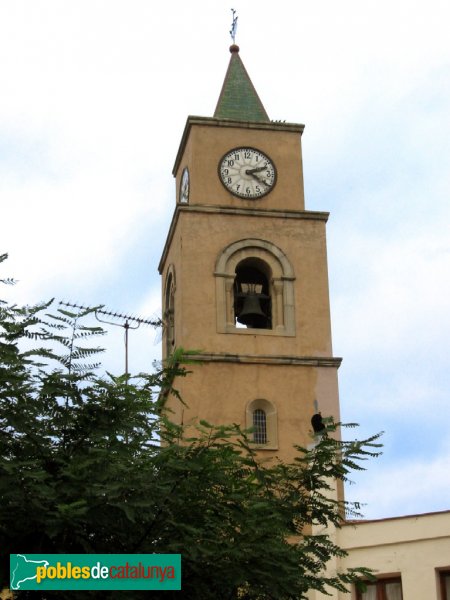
<point x="259" y="180"/>
<point x="257" y="170"/>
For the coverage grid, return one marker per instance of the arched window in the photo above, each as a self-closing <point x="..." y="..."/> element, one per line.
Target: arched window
<point x="169" y="312"/>
<point x="261" y="416"/>
<point x="254" y="289"/>
<point x="259" y="426"/>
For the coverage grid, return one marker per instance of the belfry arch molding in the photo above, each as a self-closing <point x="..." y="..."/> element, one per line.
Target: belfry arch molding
<point x="281" y="286"/>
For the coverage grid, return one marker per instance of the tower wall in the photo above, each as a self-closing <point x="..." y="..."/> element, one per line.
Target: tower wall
<point x="285" y="368"/>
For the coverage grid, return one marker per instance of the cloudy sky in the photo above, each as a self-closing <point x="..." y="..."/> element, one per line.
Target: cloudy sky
<point x="94" y="95"/>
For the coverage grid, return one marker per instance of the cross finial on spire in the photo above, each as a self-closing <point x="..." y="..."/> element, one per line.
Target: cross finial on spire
<point x="233" y="26"/>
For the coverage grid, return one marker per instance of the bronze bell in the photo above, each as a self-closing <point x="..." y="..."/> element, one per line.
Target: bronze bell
<point x="251" y="314"/>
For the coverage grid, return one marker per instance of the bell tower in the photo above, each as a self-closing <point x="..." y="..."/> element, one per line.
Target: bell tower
<point x="244" y="275"/>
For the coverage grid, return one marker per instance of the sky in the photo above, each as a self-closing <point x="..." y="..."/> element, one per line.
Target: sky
<point x="94" y="96"/>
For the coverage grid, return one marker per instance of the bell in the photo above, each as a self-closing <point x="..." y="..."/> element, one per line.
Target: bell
<point x="252" y="314"/>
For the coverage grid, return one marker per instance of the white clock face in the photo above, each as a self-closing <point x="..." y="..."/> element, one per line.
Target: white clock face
<point x="247" y="173"/>
<point x="184" y="186"/>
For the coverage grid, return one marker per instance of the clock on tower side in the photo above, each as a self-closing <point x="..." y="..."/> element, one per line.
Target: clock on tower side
<point x="244" y="276"/>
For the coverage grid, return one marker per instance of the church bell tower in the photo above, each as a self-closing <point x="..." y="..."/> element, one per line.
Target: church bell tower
<point x="244" y="275"/>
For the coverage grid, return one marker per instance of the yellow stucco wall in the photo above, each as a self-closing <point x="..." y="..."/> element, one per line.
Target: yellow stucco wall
<point x="219" y="393"/>
<point x="290" y="370"/>
<point x="204" y="143"/>
<point x="199" y="238"/>
<point x="414" y="548"/>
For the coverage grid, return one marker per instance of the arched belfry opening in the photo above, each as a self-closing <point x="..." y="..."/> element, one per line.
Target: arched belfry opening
<point x="254" y="289"/>
<point x="169" y="312"/>
<point x="252" y="294"/>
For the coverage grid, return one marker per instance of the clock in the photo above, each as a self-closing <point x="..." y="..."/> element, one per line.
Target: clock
<point x="184" y="186"/>
<point x="247" y="173"/>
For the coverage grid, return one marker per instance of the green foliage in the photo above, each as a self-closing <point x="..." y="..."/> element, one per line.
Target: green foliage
<point x="83" y="470"/>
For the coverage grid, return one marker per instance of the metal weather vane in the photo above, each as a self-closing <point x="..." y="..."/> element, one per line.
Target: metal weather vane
<point x="233" y="26"/>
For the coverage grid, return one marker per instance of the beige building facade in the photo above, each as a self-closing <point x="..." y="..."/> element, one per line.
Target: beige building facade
<point x="411" y="554"/>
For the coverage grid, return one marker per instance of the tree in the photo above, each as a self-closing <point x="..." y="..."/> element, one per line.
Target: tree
<point x="83" y="470"/>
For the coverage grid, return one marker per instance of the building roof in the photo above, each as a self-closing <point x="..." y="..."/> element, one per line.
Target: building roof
<point x="238" y="99"/>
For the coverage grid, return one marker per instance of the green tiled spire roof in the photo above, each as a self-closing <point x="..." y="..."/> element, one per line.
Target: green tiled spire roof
<point x="238" y="99"/>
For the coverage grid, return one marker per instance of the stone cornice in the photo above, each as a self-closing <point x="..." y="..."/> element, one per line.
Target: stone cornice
<point x="269" y="359"/>
<point x="232" y="211"/>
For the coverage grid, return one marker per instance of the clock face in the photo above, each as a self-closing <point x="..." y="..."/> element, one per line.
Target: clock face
<point x="184" y="186"/>
<point x="247" y="173"/>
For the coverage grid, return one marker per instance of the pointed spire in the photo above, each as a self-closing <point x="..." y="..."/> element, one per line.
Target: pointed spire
<point x="238" y="99"/>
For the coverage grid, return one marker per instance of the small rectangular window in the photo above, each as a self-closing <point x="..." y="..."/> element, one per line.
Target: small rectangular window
<point x="260" y="426"/>
<point x="383" y="589"/>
